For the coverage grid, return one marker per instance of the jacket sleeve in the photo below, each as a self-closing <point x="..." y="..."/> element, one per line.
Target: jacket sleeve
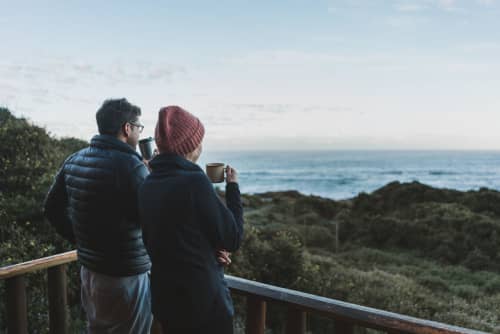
<point x="55" y="208"/>
<point x="136" y="177"/>
<point x="222" y="225"/>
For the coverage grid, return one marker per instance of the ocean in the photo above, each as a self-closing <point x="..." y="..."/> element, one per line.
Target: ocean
<point x="344" y="174"/>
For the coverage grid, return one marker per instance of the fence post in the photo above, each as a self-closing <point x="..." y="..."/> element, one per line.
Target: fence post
<point x="58" y="314"/>
<point x="256" y="316"/>
<point x="17" y="315"/>
<point x="296" y="321"/>
<point x="343" y="327"/>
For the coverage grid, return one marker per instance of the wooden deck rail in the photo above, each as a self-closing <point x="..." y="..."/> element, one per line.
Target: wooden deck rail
<point x="17" y="315"/>
<point x="345" y="315"/>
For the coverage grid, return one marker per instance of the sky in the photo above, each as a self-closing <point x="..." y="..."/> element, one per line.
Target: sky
<point x="263" y="75"/>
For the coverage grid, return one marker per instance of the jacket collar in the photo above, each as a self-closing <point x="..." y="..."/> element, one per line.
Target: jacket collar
<point x="112" y="143"/>
<point x="172" y="161"/>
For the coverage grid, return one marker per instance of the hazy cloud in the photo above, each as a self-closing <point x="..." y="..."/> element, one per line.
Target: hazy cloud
<point x="297" y="58"/>
<point x="69" y="73"/>
<point x="410" y="7"/>
<point x="487" y="2"/>
<point x="481" y="47"/>
<point x="406" y="21"/>
<point x="260" y="115"/>
<point x="448" y="5"/>
<point x="268" y="108"/>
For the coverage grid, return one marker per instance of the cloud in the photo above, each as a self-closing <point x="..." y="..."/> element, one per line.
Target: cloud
<point x="263" y="117"/>
<point x="415" y="6"/>
<point x="407" y="6"/>
<point x="410" y="7"/>
<point x="8" y="88"/>
<point x="279" y="109"/>
<point x="268" y="108"/>
<point x="68" y="73"/>
<point x="45" y="89"/>
<point x="406" y="21"/>
<point x="447" y="3"/>
<point x="486" y="2"/>
<point x="298" y="58"/>
<point x="482" y="47"/>
<point x="346" y="5"/>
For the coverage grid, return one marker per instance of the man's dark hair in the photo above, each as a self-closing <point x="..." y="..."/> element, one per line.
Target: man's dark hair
<point x="114" y="113"/>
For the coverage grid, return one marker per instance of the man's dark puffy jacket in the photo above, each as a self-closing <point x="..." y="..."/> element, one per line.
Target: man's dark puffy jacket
<point x="93" y="202"/>
<point x="184" y="223"/>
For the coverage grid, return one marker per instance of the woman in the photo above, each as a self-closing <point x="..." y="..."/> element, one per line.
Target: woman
<point x="185" y="225"/>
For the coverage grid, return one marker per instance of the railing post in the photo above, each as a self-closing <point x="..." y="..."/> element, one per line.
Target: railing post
<point x="256" y="316"/>
<point x="58" y="316"/>
<point x="17" y="316"/>
<point x="296" y="321"/>
<point x="343" y="327"/>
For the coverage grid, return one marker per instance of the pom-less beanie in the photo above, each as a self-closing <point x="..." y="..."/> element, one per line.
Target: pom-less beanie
<point x="178" y="131"/>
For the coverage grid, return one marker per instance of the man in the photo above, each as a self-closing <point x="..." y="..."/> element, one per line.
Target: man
<point x="185" y="225"/>
<point x="93" y="203"/>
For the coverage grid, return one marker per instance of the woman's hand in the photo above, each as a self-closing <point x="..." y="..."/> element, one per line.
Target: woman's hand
<point x="223" y="257"/>
<point x="231" y="175"/>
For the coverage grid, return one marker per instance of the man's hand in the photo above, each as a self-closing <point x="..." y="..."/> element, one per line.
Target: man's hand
<point x="146" y="162"/>
<point x="223" y="257"/>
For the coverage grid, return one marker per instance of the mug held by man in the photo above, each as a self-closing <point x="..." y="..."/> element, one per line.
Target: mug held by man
<point x="146" y="148"/>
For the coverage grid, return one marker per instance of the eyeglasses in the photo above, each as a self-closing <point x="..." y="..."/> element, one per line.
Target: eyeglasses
<point x="139" y="126"/>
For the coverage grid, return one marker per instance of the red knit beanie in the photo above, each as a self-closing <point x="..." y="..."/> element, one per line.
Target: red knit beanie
<point x="178" y="131"/>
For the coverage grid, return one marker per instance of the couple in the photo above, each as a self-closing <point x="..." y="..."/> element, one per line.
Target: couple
<point x="126" y="221"/>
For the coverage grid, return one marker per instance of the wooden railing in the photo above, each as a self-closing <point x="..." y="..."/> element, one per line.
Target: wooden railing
<point x="15" y="286"/>
<point x="345" y="316"/>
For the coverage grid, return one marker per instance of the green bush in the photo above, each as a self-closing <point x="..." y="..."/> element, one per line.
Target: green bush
<point x="29" y="158"/>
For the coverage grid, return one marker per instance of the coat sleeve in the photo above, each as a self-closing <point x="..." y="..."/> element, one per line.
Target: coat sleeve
<point x="222" y="225"/>
<point x="136" y="177"/>
<point x="55" y="207"/>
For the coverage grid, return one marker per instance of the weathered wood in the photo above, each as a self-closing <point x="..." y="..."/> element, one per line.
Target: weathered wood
<point x="256" y="315"/>
<point x="38" y="264"/>
<point x="343" y="327"/>
<point x="296" y="321"/>
<point x="58" y="314"/>
<point x="17" y="315"/>
<point x="355" y="314"/>
<point x="257" y="293"/>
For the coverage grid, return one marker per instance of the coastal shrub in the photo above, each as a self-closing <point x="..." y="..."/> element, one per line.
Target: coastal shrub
<point x="492" y="287"/>
<point x="477" y="260"/>
<point x="317" y="236"/>
<point x="29" y="158"/>
<point x="433" y="283"/>
<point x="320" y="206"/>
<point x="466" y="291"/>
<point x="307" y="218"/>
<point x="394" y="195"/>
<point x="482" y="201"/>
<point x="364" y="204"/>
